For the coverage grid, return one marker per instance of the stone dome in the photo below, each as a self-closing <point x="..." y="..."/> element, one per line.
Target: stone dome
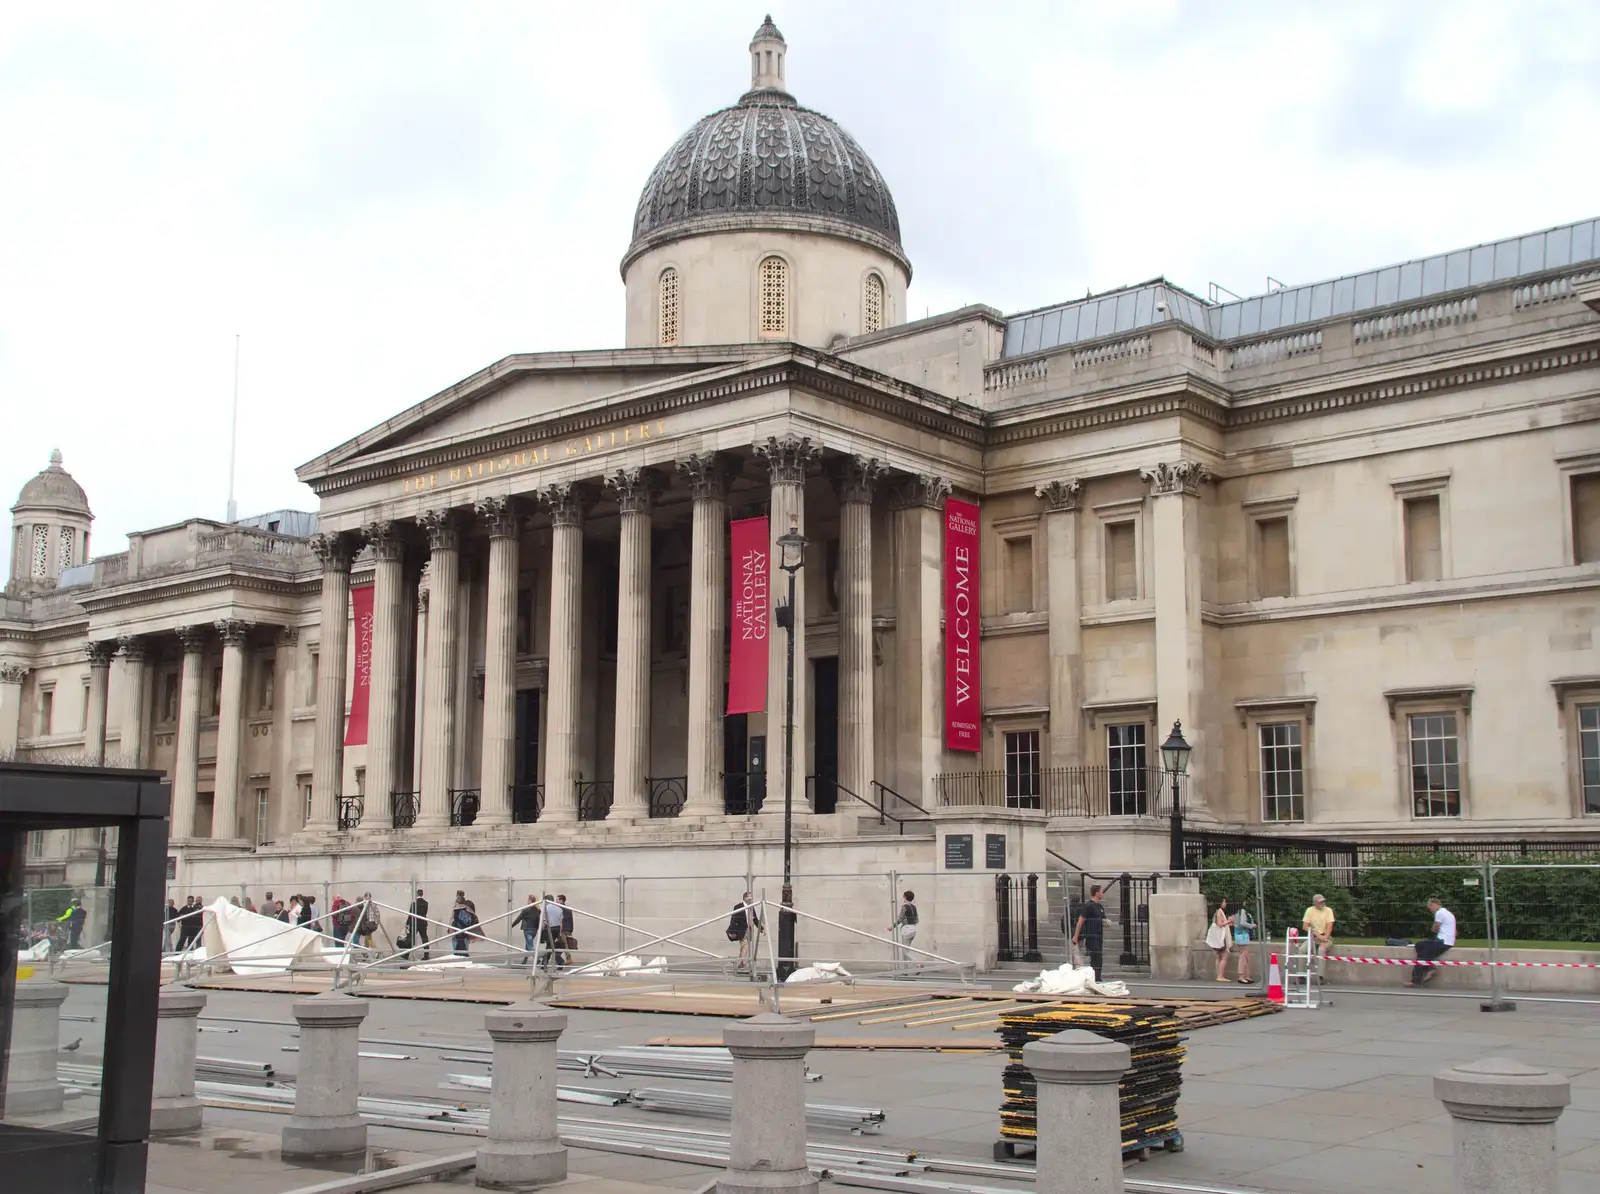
<point x="54" y="489"/>
<point x="766" y="162"/>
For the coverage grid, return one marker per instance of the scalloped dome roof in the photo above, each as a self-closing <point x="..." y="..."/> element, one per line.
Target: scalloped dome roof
<point x="766" y="159"/>
<point x="54" y="489"/>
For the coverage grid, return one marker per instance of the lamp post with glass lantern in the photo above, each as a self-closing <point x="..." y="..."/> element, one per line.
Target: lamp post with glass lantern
<point x="791" y="558"/>
<point x="1175" y="756"/>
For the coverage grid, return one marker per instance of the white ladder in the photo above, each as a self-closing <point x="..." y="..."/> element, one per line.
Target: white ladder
<point x="1302" y="984"/>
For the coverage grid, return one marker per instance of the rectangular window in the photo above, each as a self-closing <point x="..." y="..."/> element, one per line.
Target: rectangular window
<point x="1435" y="765"/>
<point x="36" y="843"/>
<point x="1272" y="557"/>
<point x="1022" y="769"/>
<point x="1127" y="772"/>
<point x="266" y="685"/>
<point x="263" y="830"/>
<point x="1589" y="755"/>
<point x="312" y="660"/>
<point x="1019" y="574"/>
<point x="1283" y="777"/>
<point x="169" y="697"/>
<point x="361" y="781"/>
<point x="1586" y="519"/>
<point x="47" y="712"/>
<point x="85" y="707"/>
<point x="1122" y="570"/>
<point x="1424" y="555"/>
<point x="305" y="797"/>
<point x="216" y="692"/>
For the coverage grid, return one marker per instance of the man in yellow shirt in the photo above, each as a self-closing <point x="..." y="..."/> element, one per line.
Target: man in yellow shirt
<point x="1318" y="923"/>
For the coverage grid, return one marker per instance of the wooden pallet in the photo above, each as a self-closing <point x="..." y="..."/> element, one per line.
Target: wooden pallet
<point x="868" y="1044"/>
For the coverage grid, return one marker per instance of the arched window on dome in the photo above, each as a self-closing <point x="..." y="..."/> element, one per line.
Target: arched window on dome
<point x="667" y="307"/>
<point x="872" y="304"/>
<point x="774" y="296"/>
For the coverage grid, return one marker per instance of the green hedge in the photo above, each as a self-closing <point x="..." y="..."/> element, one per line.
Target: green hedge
<point x="1286" y="890"/>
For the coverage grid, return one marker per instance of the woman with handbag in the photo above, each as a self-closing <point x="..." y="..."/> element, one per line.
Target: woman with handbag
<point x="1243" y="930"/>
<point x="1220" y="937"/>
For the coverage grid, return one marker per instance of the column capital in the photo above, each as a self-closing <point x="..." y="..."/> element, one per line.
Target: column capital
<point x="857" y="477"/>
<point x="444" y="528"/>
<point x="100" y="651"/>
<point x="1176" y="477"/>
<point x="192" y="638"/>
<point x="288" y="636"/>
<point x="234" y="631"/>
<point x="634" y="489"/>
<point x="708" y="474"/>
<point x="1059" y="496"/>
<point x="921" y="489"/>
<point x="567" y="502"/>
<point x="383" y="538"/>
<point x="335" y="550"/>
<point x="11" y="672"/>
<point x="788" y="458"/>
<point x="502" y="515"/>
<point x="134" y="648"/>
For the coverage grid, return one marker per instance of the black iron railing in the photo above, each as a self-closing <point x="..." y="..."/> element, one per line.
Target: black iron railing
<point x="883" y="799"/>
<point x="403" y="809"/>
<point x="464" y="805"/>
<point x="743" y="792"/>
<point x="350" y="808"/>
<point x="1017" y="918"/>
<point x="667" y="795"/>
<point x="1061" y="791"/>
<point x="594" y="799"/>
<point x="1199" y="845"/>
<point x="1126" y="900"/>
<point x="527" y="802"/>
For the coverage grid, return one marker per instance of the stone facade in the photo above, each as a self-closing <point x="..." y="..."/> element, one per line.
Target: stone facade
<point x="1358" y="557"/>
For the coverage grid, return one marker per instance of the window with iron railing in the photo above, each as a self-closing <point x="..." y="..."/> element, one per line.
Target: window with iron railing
<point x="1022" y="769"/>
<point x="1283" y="778"/>
<point x="1128" y="783"/>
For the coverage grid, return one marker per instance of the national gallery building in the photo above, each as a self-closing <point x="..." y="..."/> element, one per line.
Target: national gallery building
<point x="1346" y="533"/>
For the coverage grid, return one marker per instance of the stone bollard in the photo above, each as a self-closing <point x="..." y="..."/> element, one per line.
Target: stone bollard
<point x="31" y="1084"/>
<point x="327" y="1120"/>
<point x="767" y="1151"/>
<point x="1079" y="1112"/>
<point x="1504" y="1118"/>
<point x="173" y="1106"/>
<point x="524" y="1146"/>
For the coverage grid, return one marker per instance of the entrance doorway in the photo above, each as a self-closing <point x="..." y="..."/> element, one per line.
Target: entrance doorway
<point x="825" y="734"/>
<point x="525" y="753"/>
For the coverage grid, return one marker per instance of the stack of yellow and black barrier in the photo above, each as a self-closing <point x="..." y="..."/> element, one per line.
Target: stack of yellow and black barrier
<point x="1149" y="1090"/>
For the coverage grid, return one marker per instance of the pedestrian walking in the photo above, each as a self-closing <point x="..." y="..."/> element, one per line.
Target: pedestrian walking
<point x="249" y="904"/>
<point x="369" y="922"/>
<point x="341" y="917"/>
<point x="194" y="921"/>
<point x="279" y="912"/>
<point x="462" y="919"/>
<point x="527" y="919"/>
<point x="1442" y="938"/>
<point x="1220" y="937"/>
<point x="905" y="925"/>
<point x="1089" y="931"/>
<point x="169" y="926"/>
<point x="552" y="928"/>
<point x="417" y="926"/>
<point x="568" y="941"/>
<point x="1243" y="930"/>
<point x="745" y="927"/>
<point x="74" y="917"/>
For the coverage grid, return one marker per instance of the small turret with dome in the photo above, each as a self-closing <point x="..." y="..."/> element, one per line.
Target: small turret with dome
<point x="50" y="529"/>
<point x="765" y="221"/>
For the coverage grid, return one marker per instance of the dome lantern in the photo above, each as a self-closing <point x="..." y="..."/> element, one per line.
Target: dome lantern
<point x="767" y="52"/>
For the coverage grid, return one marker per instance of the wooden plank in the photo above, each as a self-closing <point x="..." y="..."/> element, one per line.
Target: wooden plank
<point x="981" y="1044"/>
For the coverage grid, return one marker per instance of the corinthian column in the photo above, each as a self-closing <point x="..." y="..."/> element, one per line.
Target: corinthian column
<point x="1060" y="500"/>
<point x="856" y="478"/>
<point x="439" y="689"/>
<point x="94" y="721"/>
<point x="384" y="703"/>
<point x="567" y="502"/>
<point x="11" y="677"/>
<point x="787" y="460"/>
<point x="499" y="662"/>
<point x="230" y="722"/>
<point x="130" y="729"/>
<point x="634" y="489"/>
<point x="708" y="613"/>
<point x="186" y="760"/>
<point x="919" y="594"/>
<point x="327" y="756"/>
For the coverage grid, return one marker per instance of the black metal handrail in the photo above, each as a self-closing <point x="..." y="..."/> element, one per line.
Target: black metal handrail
<point x="668" y="794"/>
<point x="594" y="799"/>
<point x="886" y="795"/>
<point x="743" y="792"/>
<point x="403" y="809"/>
<point x="464" y="805"/>
<point x="884" y="817"/>
<point x="350" y="809"/>
<point x="1062" y="791"/>
<point x="527" y="802"/>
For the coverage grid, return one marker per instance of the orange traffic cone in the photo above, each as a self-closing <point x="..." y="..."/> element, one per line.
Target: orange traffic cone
<point x="1274" y="981"/>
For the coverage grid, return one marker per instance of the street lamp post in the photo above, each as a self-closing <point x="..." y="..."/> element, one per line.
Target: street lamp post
<point x="1175" y="755"/>
<point x="791" y="557"/>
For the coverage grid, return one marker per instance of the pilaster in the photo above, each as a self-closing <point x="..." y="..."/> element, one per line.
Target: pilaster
<point x="1064" y="603"/>
<point x="383" y="694"/>
<point x="439" y="689"/>
<point x="856" y="478"/>
<point x="919" y="670"/>
<point x="708" y="613"/>
<point x="788" y="461"/>
<point x="634" y="490"/>
<point x="327" y="760"/>
<point x="230" y="725"/>
<point x="286" y="809"/>
<point x="130" y="727"/>
<point x="186" y="758"/>
<point x="94" y="729"/>
<point x="499" y="661"/>
<point x="567" y="503"/>
<point x="11" y="678"/>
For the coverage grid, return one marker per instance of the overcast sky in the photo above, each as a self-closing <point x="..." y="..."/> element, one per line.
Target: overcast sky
<point x="384" y="197"/>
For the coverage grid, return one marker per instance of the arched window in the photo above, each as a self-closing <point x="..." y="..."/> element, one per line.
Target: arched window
<point x="774" y="296"/>
<point x="872" y="305"/>
<point x="667" y="303"/>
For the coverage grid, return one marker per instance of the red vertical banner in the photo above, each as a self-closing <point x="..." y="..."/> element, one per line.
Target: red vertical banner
<point x="355" y="731"/>
<point x="751" y="617"/>
<point x="963" y="699"/>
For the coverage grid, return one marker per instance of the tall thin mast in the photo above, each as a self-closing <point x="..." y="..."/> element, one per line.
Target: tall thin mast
<point x="233" y="434"/>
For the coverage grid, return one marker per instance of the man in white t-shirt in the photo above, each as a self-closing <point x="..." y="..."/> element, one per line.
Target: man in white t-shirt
<point x="1429" y="948"/>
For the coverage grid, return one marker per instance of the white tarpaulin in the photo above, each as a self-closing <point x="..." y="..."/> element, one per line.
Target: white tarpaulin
<point x="257" y="944"/>
<point x="822" y="972"/>
<point x="1070" y="980"/>
<point x="37" y="952"/>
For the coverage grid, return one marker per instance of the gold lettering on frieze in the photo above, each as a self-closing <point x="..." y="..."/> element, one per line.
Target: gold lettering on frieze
<point x="535" y="455"/>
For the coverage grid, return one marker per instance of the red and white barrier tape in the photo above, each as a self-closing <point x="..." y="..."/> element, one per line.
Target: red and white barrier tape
<point x="1446" y="962"/>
